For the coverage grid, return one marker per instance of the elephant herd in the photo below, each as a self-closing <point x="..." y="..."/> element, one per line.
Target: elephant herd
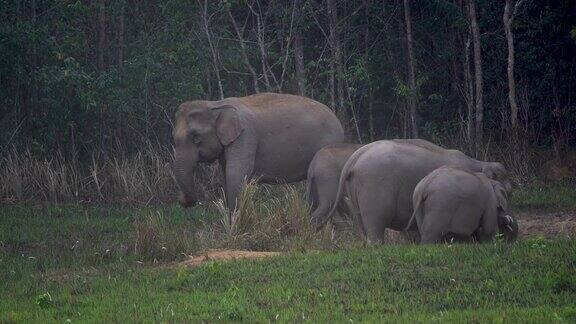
<point x="401" y="184"/>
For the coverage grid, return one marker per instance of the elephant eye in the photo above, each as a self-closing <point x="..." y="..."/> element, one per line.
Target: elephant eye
<point x="194" y="137"/>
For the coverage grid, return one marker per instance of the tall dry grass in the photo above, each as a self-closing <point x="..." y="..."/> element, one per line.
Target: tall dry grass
<point x="523" y="162"/>
<point x="143" y="177"/>
<point x="268" y="218"/>
<point x="146" y="176"/>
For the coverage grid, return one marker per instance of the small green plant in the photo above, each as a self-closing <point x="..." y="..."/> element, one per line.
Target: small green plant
<point x="232" y="309"/>
<point x="538" y="244"/>
<point x="44" y="301"/>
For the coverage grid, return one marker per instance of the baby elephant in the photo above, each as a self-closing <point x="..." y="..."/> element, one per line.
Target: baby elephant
<point x="451" y="201"/>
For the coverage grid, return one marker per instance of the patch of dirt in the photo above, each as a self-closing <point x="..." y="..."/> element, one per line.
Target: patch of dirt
<point x="224" y="255"/>
<point x="547" y="224"/>
<point x="530" y="224"/>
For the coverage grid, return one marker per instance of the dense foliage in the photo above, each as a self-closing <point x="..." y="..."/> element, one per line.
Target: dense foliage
<point x="76" y="75"/>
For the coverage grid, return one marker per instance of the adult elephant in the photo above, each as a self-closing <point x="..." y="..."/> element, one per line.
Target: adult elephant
<point x="268" y="136"/>
<point x="380" y="178"/>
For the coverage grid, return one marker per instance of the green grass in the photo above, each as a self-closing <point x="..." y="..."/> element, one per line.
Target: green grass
<point x="557" y="197"/>
<point x="388" y="283"/>
<point x="76" y="237"/>
<point x="54" y="266"/>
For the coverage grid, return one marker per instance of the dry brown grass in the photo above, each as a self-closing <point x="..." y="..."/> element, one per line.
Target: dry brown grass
<point x="144" y="177"/>
<point x="267" y="219"/>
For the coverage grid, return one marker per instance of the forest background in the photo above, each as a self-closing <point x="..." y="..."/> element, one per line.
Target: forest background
<point x="88" y="89"/>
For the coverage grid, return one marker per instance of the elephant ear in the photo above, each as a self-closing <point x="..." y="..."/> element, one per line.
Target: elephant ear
<point x="228" y="126"/>
<point x="494" y="170"/>
<point x="501" y="196"/>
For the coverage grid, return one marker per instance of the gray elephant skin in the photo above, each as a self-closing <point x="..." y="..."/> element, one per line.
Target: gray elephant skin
<point x="323" y="176"/>
<point x="454" y="202"/>
<point x="267" y="136"/>
<point x="380" y="178"/>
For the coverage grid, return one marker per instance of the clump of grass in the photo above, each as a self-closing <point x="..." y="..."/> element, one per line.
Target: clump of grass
<point x="265" y="219"/>
<point x="156" y="240"/>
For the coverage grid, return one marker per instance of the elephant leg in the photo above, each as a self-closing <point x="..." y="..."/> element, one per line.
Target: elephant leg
<point x="433" y="225"/>
<point x="319" y="216"/>
<point x="339" y="222"/>
<point x="489" y="226"/>
<point x="411" y="236"/>
<point x="376" y="210"/>
<point x="239" y="166"/>
<point x="431" y="237"/>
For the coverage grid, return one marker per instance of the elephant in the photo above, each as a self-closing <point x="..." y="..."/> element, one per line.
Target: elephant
<point x="323" y="176"/>
<point x="267" y="136"/>
<point x="452" y="201"/>
<point x="379" y="179"/>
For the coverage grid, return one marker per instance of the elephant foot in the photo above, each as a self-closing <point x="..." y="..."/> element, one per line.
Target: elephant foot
<point x="185" y="201"/>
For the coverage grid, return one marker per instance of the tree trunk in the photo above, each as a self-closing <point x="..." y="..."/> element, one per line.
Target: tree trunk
<point x="263" y="53"/>
<point x="240" y="36"/>
<point x="101" y="34"/>
<point x="469" y="95"/>
<point x="121" y="36"/>
<point x="366" y="4"/>
<point x="262" y="46"/>
<point x="298" y="49"/>
<point x="332" y="86"/>
<point x="477" y="75"/>
<point x="337" y="57"/>
<point x="215" y="65"/>
<point x="33" y="85"/>
<point x="208" y="77"/>
<point x="286" y="49"/>
<point x="508" y="19"/>
<point x="412" y="98"/>
<point x="395" y="58"/>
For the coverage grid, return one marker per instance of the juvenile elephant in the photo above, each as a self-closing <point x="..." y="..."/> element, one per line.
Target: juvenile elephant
<point x="268" y="136"/>
<point x="323" y="175"/>
<point x="380" y="178"/>
<point x="451" y="201"/>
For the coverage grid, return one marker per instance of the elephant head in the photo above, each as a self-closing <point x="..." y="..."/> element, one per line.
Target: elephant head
<point x="497" y="171"/>
<point x="201" y="134"/>
<point x="507" y="225"/>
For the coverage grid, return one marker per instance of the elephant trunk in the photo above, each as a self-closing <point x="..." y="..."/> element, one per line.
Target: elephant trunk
<point x="508" y="226"/>
<point x="185" y="161"/>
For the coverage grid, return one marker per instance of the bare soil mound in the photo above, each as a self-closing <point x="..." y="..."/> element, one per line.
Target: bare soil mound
<point x="225" y="255"/>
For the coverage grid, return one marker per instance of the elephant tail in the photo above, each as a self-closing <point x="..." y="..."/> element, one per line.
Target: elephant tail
<point x="419" y="196"/>
<point x="312" y="194"/>
<point x="416" y="213"/>
<point x="344" y="175"/>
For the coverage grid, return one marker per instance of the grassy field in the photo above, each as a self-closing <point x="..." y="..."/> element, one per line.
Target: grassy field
<point x="119" y="263"/>
<point x="557" y="197"/>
